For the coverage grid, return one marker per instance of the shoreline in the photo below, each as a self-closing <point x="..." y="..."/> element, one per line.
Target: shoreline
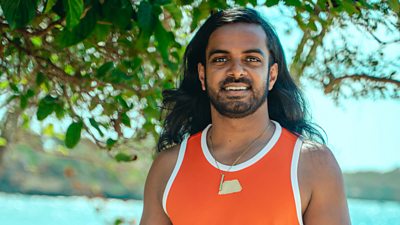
<point x="130" y="198"/>
<point x="106" y="196"/>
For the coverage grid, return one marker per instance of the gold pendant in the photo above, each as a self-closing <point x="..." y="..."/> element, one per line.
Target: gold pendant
<point x="229" y="186"/>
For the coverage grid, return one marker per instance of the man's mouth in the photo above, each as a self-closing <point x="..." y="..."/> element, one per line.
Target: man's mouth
<point x="236" y="88"/>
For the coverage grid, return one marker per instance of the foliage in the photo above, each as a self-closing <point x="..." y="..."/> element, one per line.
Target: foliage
<point x="101" y="65"/>
<point x="373" y="185"/>
<point x="28" y="168"/>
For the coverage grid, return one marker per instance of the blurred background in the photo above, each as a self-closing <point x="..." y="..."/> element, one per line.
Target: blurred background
<point x="81" y="83"/>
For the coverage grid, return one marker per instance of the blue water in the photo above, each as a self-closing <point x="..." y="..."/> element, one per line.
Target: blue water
<point x="43" y="210"/>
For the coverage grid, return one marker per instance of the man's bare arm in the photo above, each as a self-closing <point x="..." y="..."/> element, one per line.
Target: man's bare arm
<point x="160" y="171"/>
<point x="327" y="201"/>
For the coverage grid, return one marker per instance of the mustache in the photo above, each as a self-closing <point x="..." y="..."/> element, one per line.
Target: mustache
<point x="230" y="80"/>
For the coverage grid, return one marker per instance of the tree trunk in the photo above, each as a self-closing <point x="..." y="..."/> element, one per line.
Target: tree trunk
<point x="8" y="127"/>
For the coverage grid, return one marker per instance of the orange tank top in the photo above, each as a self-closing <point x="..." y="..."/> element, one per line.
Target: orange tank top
<point x="270" y="192"/>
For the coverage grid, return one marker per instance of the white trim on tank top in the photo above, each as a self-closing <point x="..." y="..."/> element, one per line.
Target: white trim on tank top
<point x="245" y="164"/>
<point x="294" y="178"/>
<point x="171" y="179"/>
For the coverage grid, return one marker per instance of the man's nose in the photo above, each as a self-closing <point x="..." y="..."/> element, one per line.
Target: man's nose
<point x="236" y="69"/>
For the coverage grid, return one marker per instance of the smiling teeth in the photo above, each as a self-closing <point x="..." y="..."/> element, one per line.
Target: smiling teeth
<point x="236" y="88"/>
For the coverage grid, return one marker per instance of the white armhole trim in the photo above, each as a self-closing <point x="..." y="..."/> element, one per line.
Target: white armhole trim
<point x="178" y="164"/>
<point x="294" y="178"/>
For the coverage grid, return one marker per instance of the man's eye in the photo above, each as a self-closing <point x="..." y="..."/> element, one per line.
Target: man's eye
<point x="253" y="59"/>
<point x="220" y="59"/>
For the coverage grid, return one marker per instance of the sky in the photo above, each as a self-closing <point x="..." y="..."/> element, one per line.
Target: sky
<point x="363" y="134"/>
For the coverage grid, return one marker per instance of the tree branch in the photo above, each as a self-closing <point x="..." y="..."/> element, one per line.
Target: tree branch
<point x="76" y="80"/>
<point x="328" y="88"/>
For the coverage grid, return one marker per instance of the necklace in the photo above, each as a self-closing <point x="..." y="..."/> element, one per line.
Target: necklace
<point x="232" y="186"/>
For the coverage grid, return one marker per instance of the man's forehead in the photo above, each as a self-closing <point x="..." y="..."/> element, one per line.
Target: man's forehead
<point x="238" y="36"/>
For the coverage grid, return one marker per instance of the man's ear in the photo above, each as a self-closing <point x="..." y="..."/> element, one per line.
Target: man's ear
<point x="273" y="75"/>
<point x="202" y="76"/>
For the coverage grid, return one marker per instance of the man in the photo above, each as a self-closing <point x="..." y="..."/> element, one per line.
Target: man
<point x="235" y="148"/>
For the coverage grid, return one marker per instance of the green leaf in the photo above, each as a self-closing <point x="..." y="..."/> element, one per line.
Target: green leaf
<point x="101" y="32"/>
<point x="146" y="21"/>
<point x="60" y="112"/>
<point x="3" y="141"/>
<point x="116" y="76"/>
<point x="30" y="93"/>
<point x="49" y="5"/>
<point x="23" y="101"/>
<point x="162" y="2"/>
<point x="151" y="112"/>
<point x="14" y="87"/>
<point x="122" y="157"/>
<point x="74" y="10"/>
<point x="68" y="69"/>
<point x="79" y="32"/>
<point x="200" y="13"/>
<point x="296" y="3"/>
<point x="4" y="84"/>
<point x="253" y="2"/>
<point x="122" y="102"/>
<point x="94" y="124"/>
<point x="145" y="16"/>
<point x="350" y="8"/>
<point x="119" y="13"/>
<point x="49" y="130"/>
<point x="73" y="134"/>
<point x="185" y="2"/>
<point x="18" y="13"/>
<point x="218" y="4"/>
<point x="110" y="143"/>
<point x="133" y="64"/>
<point x="309" y="8"/>
<point x="168" y="85"/>
<point x="45" y="107"/>
<point x="104" y="69"/>
<point x="270" y="3"/>
<point x="245" y="2"/>
<point x="125" y="120"/>
<point x="43" y="111"/>
<point x="312" y="25"/>
<point x="40" y="78"/>
<point x="164" y="40"/>
<point x="36" y="41"/>
<point x="118" y="221"/>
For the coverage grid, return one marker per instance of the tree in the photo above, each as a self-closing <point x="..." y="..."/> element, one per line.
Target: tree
<point x="101" y="65"/>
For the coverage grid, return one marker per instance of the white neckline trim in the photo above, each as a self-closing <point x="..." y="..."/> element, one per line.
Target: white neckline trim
<point x="245" y="164"/>
<point x="171" y="179"/>
<point x="294" y="178"/>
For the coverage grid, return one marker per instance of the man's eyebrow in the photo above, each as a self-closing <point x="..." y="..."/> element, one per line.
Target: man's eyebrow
<point x="220" y="51"/>
<point x="256" y="50"/>
<point x="217" y="51"/>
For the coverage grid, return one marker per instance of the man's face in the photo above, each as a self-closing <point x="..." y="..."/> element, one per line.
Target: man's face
<point x="236" y="72"/>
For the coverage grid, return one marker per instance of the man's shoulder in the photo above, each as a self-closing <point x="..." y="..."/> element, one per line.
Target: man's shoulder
<point x="161" y="170"/>
<point x="318" y="163"/>
<point x="321" y="183"/>
<point x="168" y="157"/>
<point x="316" y="154"/>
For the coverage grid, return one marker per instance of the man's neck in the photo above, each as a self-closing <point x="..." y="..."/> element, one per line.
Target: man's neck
<point x="234" y="133"/>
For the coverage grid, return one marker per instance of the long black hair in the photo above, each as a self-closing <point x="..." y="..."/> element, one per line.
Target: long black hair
<point x="187" y="108"/>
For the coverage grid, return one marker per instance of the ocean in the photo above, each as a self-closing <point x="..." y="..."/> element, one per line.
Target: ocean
<point x="18" y="209"/>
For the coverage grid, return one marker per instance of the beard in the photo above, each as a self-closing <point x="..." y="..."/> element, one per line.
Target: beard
<point x="234" y="106"/>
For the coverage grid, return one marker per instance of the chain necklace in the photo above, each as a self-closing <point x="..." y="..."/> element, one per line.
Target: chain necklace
<point x="232" y="186"/>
